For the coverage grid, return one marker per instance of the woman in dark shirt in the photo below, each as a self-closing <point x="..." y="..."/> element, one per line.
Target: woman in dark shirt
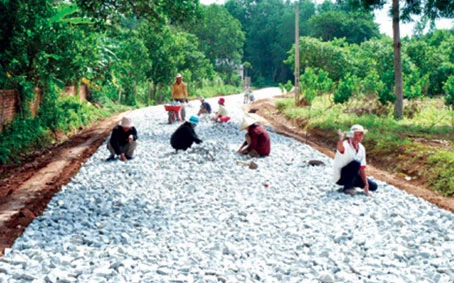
<point x="185" y="136"/>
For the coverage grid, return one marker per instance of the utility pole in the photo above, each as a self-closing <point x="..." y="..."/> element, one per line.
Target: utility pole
<point x="297" y="55"/>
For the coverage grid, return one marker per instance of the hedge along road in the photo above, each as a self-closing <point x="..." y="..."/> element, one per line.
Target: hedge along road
<point x="200" y="216"/>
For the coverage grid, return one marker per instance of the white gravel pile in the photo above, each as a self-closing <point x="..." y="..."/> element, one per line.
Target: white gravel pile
<point x="198" y="216"/>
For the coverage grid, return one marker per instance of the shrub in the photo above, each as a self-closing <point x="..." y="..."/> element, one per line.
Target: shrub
<point x="287" y="87"/>
<point x="309" y="95"/>
<point x="415" y="86"/>
<point x="386" y="96"/>
<point x="346" y="89"/>
<point x="448" y="88"/>
<point x="372" y="84"/>
<point x="442" y="170"/>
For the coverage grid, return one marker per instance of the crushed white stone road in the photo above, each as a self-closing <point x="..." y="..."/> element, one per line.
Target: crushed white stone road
<point x="199" y="216"/>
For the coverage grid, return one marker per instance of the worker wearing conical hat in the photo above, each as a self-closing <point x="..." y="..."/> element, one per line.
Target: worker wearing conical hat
<point x="122" y="140"/>
<point x="257" y="143"/>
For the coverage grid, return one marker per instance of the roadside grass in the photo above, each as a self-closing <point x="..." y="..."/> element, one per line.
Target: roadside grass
<point x="23" y="137"/>
<point x="214" y="88"/>
<point x="419" y="146"/>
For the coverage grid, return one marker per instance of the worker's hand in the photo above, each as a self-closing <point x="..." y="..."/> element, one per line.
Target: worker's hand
<point x="130" y="139"/>
<point x="366" y="190"/>
<point x="341" y="135"/>
<point x="122" y="157"/>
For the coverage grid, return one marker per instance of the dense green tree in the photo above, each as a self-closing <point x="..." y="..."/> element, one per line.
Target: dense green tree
<point x="355" y="27"/>
<point x="42" y="42"/>
<point x="26" y="34"/>
<point x="157" y="12"/>
<point x="132" y="62"/>
<point x="286" y="35"/>
<point x="328" y="56"/>
<point x="270" y="32"/>
<point x="70" y="54"/>
<point x="429" y="10"/>
<point x="448" y="88"/>
<point x="263" y="39"/>
<point x="221" y="39"/>
<point x="172" y="51"/>
<point x="327" y="6"/>
<point x="433" y="54"/>
<point x="375" y="54"/>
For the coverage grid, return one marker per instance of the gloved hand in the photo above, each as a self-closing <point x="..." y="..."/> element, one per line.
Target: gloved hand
<point x="186" y="100"/>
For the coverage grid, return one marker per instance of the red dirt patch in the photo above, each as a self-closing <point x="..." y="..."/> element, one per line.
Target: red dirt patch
<point x="26" y="190"/>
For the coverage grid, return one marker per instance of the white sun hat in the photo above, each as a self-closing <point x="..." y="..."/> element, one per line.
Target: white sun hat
<point x="247" y="121"/>
<point x="358" y="128"/>
<point x="126" y="122"/>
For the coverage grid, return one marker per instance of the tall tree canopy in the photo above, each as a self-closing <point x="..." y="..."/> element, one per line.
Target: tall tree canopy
<point x="355" y="27"/>
<point x="221" y="38"/>
<point x="269" y="26"/>
<point x="155" y="11"/>
<point x="428" y="9"/>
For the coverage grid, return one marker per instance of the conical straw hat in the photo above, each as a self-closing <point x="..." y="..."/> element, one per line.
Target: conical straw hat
<point x="247" y="121"/>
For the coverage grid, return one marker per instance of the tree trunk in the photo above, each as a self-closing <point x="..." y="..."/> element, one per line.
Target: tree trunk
<point x="155" y="93"/>
<point x="134" y="92"/>
<point x="148" y="93"/>
<point x="398" y="107"/>
<point x="161" y="99"/>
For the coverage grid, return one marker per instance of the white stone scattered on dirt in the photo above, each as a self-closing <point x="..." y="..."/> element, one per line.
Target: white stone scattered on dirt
<point x="198" y="216"/>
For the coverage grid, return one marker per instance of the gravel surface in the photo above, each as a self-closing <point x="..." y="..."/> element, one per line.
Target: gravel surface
<point x="199" y="216"/>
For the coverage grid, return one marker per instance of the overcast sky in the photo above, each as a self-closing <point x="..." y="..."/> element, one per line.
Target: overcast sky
<point x="381" y="17"/>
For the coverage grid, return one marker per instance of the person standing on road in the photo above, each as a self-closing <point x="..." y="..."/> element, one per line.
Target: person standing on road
<point x="185" y="136"/>
<point x="180" y="93"/>
<point x="350" y="162"/>
<point x="257" y="140"/>
<point x="122" y="140"/>
<point x="247" y="94"/>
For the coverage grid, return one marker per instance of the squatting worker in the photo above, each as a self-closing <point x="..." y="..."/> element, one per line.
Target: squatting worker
<point x="221" y="115"/>
<point x="205" y="107"/>
<point x="180" y="93"/>
<point x="257" y="143"/>
<point x="185" y="136"/>
<point x="350" y="162"/>
<point x="122" y="140"/>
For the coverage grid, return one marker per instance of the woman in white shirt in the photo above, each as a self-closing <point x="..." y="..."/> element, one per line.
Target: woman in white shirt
<point x="221" y="115"/>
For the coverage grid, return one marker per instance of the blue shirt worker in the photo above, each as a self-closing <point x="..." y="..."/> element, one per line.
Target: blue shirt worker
<point x="205" y="107"/>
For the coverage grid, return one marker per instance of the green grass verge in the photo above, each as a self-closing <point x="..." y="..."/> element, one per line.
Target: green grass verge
<point x="22" y="137"/>
<point x="406" y="147"/>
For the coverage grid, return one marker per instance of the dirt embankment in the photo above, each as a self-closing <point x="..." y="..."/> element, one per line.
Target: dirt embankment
<point x="25" y="190"/>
